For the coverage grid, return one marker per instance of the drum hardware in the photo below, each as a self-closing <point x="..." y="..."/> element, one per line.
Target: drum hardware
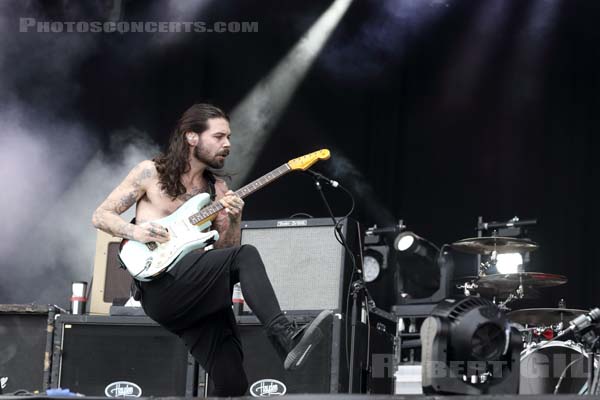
<point x="584" y="327"/>
<point x="499" y="244"/>
<point x="512" y="224"/>
<point x="518" y="285"/>
<point x="518" y="294"/>
<point x="586" y="376"/>
<point x="564" y="374"/>
<point x="544" y="367"/>
<point x="539" y="324"/>
<point x="510" y="287"/>
<point x="533" y="335"/>
<point x="511" y="281"/>
<point x="547" y="332"/>
<point x="586" y="344"/>
<point x="485" y="267"/>
<point x="543" y="331"/>
<point x="468" y="287"/>
<point x="544" y="316"/>
<point x="505" y="238"/>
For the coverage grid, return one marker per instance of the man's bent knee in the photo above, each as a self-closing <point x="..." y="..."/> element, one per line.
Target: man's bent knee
<point x="248" y="251"/>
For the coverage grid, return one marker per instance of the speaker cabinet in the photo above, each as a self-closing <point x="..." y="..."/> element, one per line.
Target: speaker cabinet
<point x="120" y="357"/>
<point x="325" y="372"/>
<point x="110" y="281"/>
<point x="381" y="366"/>
<point x="308" y="267"/>
<point x="25" y="347"/>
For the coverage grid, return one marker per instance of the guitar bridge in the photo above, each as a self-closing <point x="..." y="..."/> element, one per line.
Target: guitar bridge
<point x="152" y="245"/>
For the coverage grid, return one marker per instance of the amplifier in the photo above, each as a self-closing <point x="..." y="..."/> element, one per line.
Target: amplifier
<point x="308" y="267"/>
<point x="120" y="357"/>
<point x="325" y="372"/>
<point x="110" y="282"/>
<point x="327" y="369"/>
<point x="25" y="347"/>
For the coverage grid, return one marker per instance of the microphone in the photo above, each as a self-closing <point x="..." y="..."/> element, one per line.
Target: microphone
<point x="320" y="177"/>
<point x="583" y="321"/>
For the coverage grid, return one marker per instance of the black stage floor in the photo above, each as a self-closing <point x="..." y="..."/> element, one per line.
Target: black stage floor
<point x="343" y="396"/>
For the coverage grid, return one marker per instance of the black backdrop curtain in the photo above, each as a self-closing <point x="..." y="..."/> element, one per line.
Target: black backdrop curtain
<point x="435" y="121"/>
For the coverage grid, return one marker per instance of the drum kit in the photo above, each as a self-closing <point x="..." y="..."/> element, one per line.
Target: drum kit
<point x="551" y="361"/>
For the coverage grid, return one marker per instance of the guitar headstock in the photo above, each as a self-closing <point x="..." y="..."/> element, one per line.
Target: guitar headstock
<point x="308" y="160"/>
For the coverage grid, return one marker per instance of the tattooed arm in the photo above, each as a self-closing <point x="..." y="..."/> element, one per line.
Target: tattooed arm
<point x="229" y="231"/>
<point x="107" y="215"/>
<point x="228" y="221"/>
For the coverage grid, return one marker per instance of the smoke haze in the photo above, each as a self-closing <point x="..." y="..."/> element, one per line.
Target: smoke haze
<point x="52" y="170"/>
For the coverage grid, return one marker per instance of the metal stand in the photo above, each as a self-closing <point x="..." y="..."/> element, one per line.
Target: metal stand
<point x="591" y="356"/>
<point x="590" y="342"/>
<point x="357" y="287"/>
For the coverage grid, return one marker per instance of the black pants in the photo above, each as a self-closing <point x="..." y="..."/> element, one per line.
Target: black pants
<point x="193" y="300"/>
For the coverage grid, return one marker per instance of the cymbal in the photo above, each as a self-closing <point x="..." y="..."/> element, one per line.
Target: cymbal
<point x="500" y="244"/>
<point x="543" y="316"/>
<point x="509" y="282"/>
<point x="503" y="292"/>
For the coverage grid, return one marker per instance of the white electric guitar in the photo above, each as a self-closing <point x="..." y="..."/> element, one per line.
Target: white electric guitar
<point x="188" y="226"/>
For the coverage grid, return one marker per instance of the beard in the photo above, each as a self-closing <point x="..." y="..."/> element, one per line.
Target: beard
<point x="205" y="158"/>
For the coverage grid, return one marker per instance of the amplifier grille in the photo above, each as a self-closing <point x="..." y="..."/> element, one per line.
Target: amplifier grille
<point x="305" y="264"/>
<point x="23" y="343"/>
<point x="93" y="353"/>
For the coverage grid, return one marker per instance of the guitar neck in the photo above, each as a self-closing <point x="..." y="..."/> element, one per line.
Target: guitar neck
<point x="250" y="188"/>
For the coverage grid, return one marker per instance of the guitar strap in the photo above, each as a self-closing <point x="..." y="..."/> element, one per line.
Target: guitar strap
<point x="210" y="178"/>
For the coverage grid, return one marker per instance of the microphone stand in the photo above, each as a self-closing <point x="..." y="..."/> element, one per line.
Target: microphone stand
<point x="358" y="285"/>
<point x="590" y="340"/>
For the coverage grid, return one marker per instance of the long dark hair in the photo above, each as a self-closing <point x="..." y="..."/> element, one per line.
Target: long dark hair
<point x="174" y="163"/>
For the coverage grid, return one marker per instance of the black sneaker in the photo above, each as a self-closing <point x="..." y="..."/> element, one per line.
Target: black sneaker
<point x="293" y="344"/>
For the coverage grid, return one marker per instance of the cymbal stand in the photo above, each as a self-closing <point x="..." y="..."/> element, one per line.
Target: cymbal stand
<point x="484" y="267"/>
<point x="468" y="287"/>
<point x="518" y="294"/>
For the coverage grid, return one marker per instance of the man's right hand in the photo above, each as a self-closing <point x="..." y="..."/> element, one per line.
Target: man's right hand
<point x="151" y="232"/>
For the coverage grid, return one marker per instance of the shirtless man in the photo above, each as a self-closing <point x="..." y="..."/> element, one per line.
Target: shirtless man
<point x="193" y="299"/>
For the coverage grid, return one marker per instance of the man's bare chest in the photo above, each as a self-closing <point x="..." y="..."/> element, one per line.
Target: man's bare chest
<point x="156" y="203"/>
<point x="159" y="203"/>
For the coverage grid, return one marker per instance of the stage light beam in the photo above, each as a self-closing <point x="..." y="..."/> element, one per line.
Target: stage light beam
<point x="255" y="116"/>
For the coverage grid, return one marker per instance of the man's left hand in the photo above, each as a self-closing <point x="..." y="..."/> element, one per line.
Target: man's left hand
<point x="233" y="205"/>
